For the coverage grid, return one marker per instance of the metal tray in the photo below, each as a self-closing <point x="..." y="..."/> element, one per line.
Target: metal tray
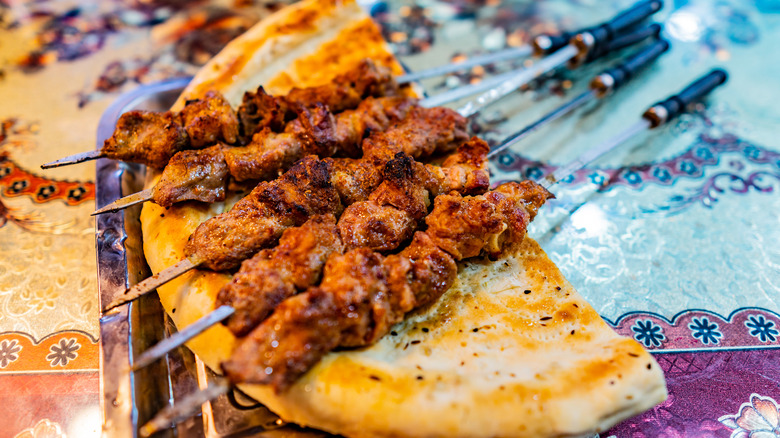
<point x="130" y="400"/>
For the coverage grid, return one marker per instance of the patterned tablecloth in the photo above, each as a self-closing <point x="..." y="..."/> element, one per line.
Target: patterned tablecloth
<point x="674" y="238"/>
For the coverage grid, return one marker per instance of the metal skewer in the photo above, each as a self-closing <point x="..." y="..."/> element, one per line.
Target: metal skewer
<point x="657" y="115"/>
<point x="73" y="159"/>
<point x="582" y="47"/>
<point x="127" y="201"/>
<point x="153" y="282"/>
<point x="600" y="86"/>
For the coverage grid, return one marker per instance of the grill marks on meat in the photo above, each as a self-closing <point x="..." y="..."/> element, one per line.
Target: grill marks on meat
<point x="259" y="110"/>
<point x="153" y="138"/>
<point x="468" y="226"/>
<point x="308" y="188"/>
<point x="382" y="223"/>
<point x="193" y="175"/>
<point x="427" y="131"/>
<point x="209" y="120"/>
<point x="347" y="90"/>
<point x="316" y="132"/>
<point x="393" y="211"/>
<point x="363" y="293"/>
<point x="259" y="219"/>
<point x="146" y="137"/>
<point x="275" y="274"/>
<point x="422" y="133"/>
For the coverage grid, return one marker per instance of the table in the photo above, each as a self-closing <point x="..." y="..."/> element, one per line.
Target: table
<point x="673" y="238"/>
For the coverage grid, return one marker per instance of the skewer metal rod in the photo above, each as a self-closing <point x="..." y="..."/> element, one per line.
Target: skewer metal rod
<point x="177" y="339"/>
<point x="489" y="58"/>
<point x="73" y="159"/>
<point x="153" y="282"/>
<point x="556" y="114"/>
<point x="516" y="80"/>
<point x="127" y="201"/>
<point x="593" y="154"/>
<point x="183" y="409"/>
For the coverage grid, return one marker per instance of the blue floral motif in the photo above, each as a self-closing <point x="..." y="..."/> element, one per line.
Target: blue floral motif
<point x="534" y="173"/>
<point x="597" y="178"/>
<point x="632" y="177"/>
<point x="662" y="174"/>
<point x="648" y="333"/>
<point x="688" y="167"/>
<point x="505" y="159"/>
<point x="762" y="328"/>
<point x="568" y="180"/>
<point x="753" y="152"/>
<point x="705" y="331"/>
<point x="704" y="153"/>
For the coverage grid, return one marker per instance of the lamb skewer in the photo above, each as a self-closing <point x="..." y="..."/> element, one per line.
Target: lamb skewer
<point x="203" y="175"/>
<point x="259" y="219"/>
<point x="152" y="138"/>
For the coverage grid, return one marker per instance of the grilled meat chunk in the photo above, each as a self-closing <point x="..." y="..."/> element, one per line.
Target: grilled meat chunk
<point x="273" y="275"/>
<point x="146" y="137"/>
<point x="259" y="110"/>
<point x="200" y="175"/>
<point x="209" y="120"/>
<point x="347" y="90"/>
<point x="258" y="220"/>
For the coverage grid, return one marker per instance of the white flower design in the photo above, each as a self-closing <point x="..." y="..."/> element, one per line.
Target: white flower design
<point x="758" y="418"/>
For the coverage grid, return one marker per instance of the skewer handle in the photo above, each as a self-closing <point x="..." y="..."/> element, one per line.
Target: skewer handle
<point x="626" y="40"/>
<point x="546" y="44"/>
<point x="670" y="108"/>
<point x="614" y="77"/>
<point x="597" y="37"/>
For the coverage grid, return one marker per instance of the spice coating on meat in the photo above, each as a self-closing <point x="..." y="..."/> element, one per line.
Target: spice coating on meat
<point x="146" y="137"/>
<point x="468" y="226"/>
<point x="362" y="293"/>
<point x="258" y="220"/>
<point x="200" y="175"/>
<point x="424" y="133"/>
<point x="260" y="110"/>
<point x="391" y="214"/>
<point x="273" y="275"/>
<point x="347" y="90"/>
<point x="209" y="120"/>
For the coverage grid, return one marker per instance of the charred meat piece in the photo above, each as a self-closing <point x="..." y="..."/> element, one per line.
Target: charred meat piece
<point x="394" y="209"/>
<point x="273" y="275"/>
<point x="199" y="175"/>
<point x="415" y="136"/>
<point x="146" y="137"/>
<point x="258" y="220"/>
<point x="259" y="110"/>
<point x="209" y="120"/>
<point x="468" y="226"/>
<point x="363" y="294"/>
<point x="347" y="90"/>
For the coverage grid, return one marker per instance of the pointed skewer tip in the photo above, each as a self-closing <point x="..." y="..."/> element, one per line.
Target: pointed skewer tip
<point x="127" y="201"/>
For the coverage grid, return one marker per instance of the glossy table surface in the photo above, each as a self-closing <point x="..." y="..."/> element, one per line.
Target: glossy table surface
<point x="673" y="238"/>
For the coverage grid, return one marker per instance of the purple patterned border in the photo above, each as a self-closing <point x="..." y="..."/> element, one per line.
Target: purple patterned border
<point x="702" y="329"/>
<point x="706" y="152"/>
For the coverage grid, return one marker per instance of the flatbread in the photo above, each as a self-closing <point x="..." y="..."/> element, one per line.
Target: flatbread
<point x="494" y="361"/>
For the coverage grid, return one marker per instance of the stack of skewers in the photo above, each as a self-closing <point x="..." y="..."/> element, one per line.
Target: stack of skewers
<point x="347" y="225"/>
